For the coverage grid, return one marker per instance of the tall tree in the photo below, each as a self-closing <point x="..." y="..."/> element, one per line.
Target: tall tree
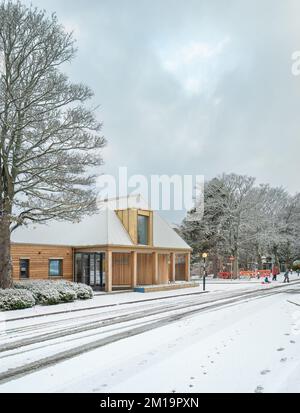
<point x="246" y="221"/>
<point x="49" y="139"/>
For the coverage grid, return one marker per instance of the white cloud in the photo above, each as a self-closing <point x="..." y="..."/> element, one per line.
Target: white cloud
<point x="195" y="65"/>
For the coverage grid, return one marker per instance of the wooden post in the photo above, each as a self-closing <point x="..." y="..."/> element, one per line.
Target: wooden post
<point x="173" y="267"/>
<point x="187" y="267"/>
<point x="133" y="269"/>
<point x="108" y="281"/>
<point x="155" y="268"/>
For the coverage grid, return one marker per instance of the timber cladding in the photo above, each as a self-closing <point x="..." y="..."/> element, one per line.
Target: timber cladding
<point x="129" y="219"/>
<point x="144" y="269"/>
<point x="121" y="269"/>
<point x="180" y="267"/>
<point x="39" y="256"/>
<point x="163" y="268"/>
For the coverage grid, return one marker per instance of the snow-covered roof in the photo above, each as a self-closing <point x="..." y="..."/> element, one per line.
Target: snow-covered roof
<point x="164" y="236"/>
<point x="102" y="228"/>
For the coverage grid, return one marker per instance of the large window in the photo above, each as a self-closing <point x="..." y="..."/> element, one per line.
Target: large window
<point x="55" y="268"/>
<point x="143" y="230"/>
<point x="24" y="268"/>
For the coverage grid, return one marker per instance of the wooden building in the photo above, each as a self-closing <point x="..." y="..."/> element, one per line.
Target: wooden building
<point x="112" y="249"/>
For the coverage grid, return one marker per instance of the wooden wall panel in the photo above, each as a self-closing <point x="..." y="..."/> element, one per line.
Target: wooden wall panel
<point x="129" y="218"/>
<point x="163" y="268"/>
<point x="144" y="269"/>
<point x="121" y="269"/>
<point x="180" y="267"/>
<point x="39" y="256"/>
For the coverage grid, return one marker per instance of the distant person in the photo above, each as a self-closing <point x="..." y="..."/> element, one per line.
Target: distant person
<point x="267" y="281"/>
<point x="298" y="272"/>
<point x="286" y="277"/>
<point x="258" y="275"/>
<point x="274" y="276"/>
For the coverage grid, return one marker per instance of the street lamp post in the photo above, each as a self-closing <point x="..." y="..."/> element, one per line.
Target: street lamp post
<point x="204" y="256"/>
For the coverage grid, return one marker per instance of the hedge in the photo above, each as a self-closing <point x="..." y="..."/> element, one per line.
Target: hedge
<point x="25" y="294"/>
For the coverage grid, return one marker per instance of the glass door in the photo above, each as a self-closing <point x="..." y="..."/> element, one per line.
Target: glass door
<point x="89" y="269"/>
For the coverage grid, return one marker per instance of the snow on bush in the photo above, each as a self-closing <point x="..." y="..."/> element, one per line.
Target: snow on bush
<point x="83" y="291"/>
<point x="12" y="299"/>
<point x="54" y="292"/>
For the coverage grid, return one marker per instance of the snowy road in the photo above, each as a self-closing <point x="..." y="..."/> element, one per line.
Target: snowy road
<point x="240" y="340"/>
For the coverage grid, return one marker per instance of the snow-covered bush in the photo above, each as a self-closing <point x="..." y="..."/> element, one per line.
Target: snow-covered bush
<point x="42" y="293"/>
<point x="12" y="299"/>
<point x="49" y="292"/>
<point x="66" y="293"/>
<point x="83" y="291"/>
<point x="46" y="296"/>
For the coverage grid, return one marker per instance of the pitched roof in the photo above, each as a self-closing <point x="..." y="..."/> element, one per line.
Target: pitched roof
<point x="164" y="236"/>
<point x="102" y="228"/>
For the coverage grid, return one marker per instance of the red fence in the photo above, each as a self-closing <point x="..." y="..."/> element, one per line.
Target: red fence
<point x="262" y="273"/>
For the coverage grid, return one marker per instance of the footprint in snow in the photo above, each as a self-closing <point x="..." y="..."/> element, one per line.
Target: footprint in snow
<point x="264" y="372"/>
<point x="283" y="360"/>
<point x="287" y="334"/>
<point x="259" y="389"/>
<point x="280" y="349"/>
<point x="293" y="342"/>
<point x="141" y="363"/>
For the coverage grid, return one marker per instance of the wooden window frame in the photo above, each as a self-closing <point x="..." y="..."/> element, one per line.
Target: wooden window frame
<point x="145" y="215"/>
<point x="28" y="276"/>
<point x="61" y="267"/>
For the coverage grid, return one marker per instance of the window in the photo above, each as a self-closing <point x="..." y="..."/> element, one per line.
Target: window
<point x="143" y="225"/>
<point x="24" y="268"/>
<point x="55" y="268"/>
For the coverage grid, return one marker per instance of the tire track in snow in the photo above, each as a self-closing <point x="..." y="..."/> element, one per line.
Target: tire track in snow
<point x="28" y="368"/>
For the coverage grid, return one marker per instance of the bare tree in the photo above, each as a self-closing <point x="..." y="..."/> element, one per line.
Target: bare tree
<point x="246" y="221"/>
<point x="49" y="139"/>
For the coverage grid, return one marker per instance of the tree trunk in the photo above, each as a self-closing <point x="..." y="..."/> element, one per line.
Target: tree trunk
<point x="236" y="267"/>
<point x="258" y="258"/>
<point x="5" y="257"/>
<point x="215" y="266"/>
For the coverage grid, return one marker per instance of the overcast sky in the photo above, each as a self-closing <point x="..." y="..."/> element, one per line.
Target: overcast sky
<point x="192" y="86"/>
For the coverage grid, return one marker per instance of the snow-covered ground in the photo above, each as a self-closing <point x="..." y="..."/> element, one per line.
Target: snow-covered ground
<point x="241" y="346"/>
<point x="103" y="299"/>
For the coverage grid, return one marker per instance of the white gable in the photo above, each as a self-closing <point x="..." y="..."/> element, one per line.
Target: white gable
<point x="164" y="235"/>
